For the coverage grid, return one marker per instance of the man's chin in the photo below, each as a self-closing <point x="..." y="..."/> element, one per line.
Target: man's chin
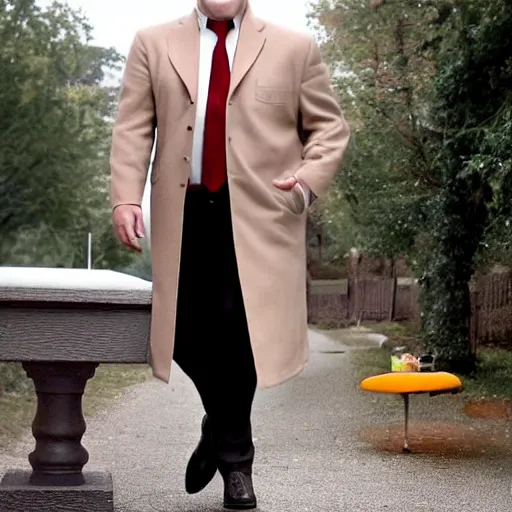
<point x="221" y="16"/>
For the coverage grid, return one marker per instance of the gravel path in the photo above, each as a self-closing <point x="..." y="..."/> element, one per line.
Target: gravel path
<point x="310" y="454"/>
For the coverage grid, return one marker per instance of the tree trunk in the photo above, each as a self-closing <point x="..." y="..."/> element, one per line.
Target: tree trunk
<point x="445" y="295"/>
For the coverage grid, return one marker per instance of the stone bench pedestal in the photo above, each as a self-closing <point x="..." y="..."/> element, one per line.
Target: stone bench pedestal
<point x="61" y="324"/>
<point x="94" y="495"/>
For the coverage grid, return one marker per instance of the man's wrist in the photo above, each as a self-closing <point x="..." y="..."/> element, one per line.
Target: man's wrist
<point x="126" y="204"/>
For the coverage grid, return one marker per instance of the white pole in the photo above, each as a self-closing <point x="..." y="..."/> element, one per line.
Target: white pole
<point x="89" y="251"/>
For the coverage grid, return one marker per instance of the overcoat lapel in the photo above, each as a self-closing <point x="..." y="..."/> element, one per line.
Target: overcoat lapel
<point x="183" y="51"/>
<point x="250" y="43"/>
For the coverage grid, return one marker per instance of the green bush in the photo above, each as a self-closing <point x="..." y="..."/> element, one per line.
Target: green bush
<point x="13" y="379"/>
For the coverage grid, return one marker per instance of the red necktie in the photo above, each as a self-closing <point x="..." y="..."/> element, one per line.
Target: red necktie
<point x="214" y="173"/>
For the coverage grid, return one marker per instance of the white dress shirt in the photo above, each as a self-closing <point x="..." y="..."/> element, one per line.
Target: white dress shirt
<point x="207" y="42"/>
<point x="206" y="46"/>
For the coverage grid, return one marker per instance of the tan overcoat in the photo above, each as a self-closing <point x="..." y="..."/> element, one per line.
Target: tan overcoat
<point x="276" y="74"/>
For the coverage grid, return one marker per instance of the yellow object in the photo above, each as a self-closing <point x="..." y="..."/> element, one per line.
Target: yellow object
<point x="412" y="382"/>
<point x="405" y="383"/>
<point x="405" y="363"/>
<point x="397" y="365"/>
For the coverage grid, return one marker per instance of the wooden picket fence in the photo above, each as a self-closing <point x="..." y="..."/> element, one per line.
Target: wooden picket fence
<point x="358" y="300"/>
<point x="491" y="310"/>
<point x="344" y="302"/>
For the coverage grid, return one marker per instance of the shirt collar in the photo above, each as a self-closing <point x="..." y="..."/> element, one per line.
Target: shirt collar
<point x="203" y="20"/>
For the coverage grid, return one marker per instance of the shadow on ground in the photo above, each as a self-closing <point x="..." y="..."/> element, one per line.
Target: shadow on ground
<point x="440" y="439"/>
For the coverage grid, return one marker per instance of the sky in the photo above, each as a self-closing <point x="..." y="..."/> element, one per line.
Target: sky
<point x="116" y="21"/>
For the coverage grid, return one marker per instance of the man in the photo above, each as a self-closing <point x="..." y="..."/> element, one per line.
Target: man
<point x="248" y="133"/>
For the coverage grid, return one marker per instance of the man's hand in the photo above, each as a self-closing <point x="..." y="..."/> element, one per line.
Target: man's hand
<point x="129" y="225"/>
<point x="289" y="183"/>
<point x="286" y="183"/>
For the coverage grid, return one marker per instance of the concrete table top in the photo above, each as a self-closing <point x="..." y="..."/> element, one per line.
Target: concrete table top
<point x="72" y="285"/>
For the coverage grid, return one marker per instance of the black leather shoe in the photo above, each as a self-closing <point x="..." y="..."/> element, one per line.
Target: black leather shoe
<point x="238" y="491"/>
<point x="202" y="465"/>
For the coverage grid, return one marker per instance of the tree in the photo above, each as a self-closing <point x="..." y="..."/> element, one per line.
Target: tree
<point x="429" y="173"/>
<point x="55" y="133"/>
<point x="382" y="54"/>
<point x="472" y="109"/>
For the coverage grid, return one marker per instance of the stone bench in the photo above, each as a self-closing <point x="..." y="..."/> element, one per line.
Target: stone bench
<point x="61" y="324"/>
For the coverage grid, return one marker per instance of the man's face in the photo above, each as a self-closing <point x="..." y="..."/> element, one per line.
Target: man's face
<point x="222" y="9"/>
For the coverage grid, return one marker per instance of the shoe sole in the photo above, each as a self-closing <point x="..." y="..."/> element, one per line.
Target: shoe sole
<point x="240" y="506"/>
<point x="210" y="471"/>
<point x="194" y="490"/>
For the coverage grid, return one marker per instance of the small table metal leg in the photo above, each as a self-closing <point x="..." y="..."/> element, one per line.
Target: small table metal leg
<point x="406" y="449"/>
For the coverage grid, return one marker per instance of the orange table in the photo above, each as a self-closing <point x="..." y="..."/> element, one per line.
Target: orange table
<point x="406" y="383"/>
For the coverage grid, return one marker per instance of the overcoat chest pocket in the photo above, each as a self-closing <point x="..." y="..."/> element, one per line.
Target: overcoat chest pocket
<point x="278" y="94"/>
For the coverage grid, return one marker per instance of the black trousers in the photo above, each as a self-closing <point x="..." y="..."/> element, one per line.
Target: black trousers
<point x="212" y="344"/>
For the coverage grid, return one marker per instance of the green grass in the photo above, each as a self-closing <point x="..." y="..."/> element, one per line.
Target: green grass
<point x="400" y="334"/>
<point x="493" y="379"/>
<point x="17" y="409"/>
<point x="16" y="414"/>
<point x="108" y="384"/>
<point x="494" y="376"/>
<point x="373" y="361"/>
